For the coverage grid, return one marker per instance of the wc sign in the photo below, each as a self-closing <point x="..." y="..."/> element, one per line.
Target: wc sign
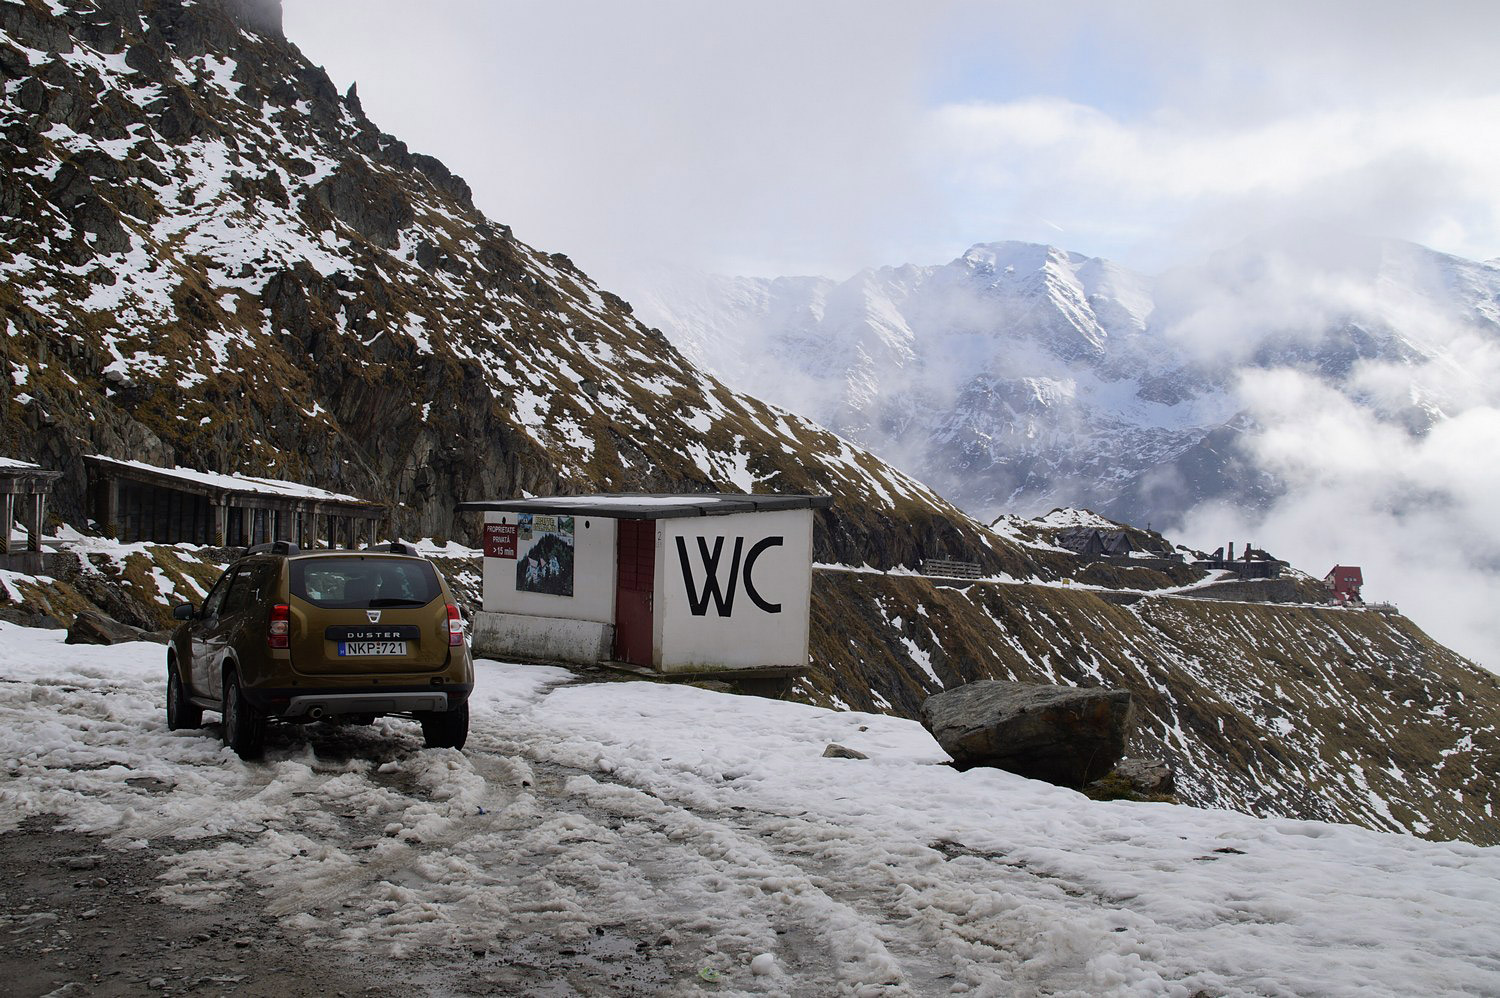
<point x="736" y="590"/>
<point x="718" y="572"/>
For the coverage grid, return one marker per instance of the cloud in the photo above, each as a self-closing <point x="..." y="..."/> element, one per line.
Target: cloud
<point x="1416" y="512"/>
<point x="785" y="137"/>
<point x="736" y="138"/>
<point x="1427" y="170"/>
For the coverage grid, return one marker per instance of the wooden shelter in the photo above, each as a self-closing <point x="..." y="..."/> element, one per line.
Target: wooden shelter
<point x="141" y="502"/>
<point x="24" y="489"/>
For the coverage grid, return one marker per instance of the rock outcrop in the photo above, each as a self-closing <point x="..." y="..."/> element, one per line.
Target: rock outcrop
<point x="1062" y="734"/>
<point x="91" y="628"/>
<point x="1135" y="779"/>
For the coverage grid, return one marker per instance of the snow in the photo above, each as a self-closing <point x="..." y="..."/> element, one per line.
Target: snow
<point x="416" y="328"/>
<point x="529" y="407"/>
<point x="716" y="819"/>
<point x="1076" y="518"/>
<point x="430" y="548"/>
<point x="236" y="483"/>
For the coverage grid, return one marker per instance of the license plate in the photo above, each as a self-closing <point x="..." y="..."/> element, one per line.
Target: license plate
<point x="367" y="648"/>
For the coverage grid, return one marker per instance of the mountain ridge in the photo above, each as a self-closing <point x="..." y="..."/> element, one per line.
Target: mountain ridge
<point x="1020" y="376"/>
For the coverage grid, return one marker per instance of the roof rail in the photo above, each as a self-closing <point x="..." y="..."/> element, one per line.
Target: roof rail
<point x="393" y="547"/>
<point x="274" y="547"/>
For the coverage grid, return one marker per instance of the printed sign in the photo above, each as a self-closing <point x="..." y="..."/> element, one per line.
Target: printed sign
<point x="544" y="558"/>
<point x="741" y="567"/>
<point x="500" y="540"/>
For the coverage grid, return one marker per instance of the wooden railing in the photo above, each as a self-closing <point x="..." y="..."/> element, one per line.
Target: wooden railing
<point x="950" y="569"/>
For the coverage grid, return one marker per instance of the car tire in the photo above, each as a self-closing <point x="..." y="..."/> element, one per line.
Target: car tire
<point x="181" y="711"/>
<point x="244" y="726"/>
<point x="448" y="729"/>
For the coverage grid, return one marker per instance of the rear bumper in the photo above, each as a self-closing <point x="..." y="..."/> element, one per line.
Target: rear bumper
<point x="315" y="707"/>
<point x="302" y="704"/>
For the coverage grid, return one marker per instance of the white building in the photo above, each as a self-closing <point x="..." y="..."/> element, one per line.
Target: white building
<point x="678" y="584"/>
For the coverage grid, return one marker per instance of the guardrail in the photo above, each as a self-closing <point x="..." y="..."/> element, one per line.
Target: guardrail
<point x="950" y="569"/>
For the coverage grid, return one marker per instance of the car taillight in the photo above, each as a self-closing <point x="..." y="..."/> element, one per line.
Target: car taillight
<point x="455" y="626"/>
<point x="279" y="634"/>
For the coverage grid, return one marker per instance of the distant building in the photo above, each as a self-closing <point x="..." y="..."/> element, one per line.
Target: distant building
<point x="1092" y="543"/>
<point x="140" y="502"/>
<point x="1345" y="581"/>
<point x="1121" y="547"/>
<point x="1254" y="563"/>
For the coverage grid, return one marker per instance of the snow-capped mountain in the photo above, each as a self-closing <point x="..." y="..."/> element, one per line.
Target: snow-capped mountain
<point x="1021" y="377"/>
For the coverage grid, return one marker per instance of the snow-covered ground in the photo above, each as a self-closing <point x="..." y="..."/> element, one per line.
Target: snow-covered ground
<point x="710" y="827"/>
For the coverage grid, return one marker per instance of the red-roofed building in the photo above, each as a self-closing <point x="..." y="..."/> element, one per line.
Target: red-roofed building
<point x="1345" y="581"/>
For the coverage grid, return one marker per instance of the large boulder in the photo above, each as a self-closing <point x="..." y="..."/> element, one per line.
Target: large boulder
<point x="1062" y="734"/>
<point x="90" y="628"/>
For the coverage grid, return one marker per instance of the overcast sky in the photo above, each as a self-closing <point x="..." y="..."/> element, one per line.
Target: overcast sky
<point x="788" y="136"/>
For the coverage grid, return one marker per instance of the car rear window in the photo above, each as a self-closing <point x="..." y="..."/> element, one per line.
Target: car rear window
<point x="356" y="583"/>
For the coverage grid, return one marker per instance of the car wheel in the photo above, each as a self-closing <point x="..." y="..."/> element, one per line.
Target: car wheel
<point x="181" y="712"/>
<point x="244" y="726"/>
<point x="449" y="729"/>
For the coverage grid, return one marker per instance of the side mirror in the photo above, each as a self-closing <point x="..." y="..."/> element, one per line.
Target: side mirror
<point x="184" y="611"/>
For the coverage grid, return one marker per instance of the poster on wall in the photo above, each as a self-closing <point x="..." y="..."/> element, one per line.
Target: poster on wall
<point x="544" y="562"/>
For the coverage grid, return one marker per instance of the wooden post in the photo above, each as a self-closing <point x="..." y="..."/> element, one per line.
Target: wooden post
<point x="34" y="529"/>
<point x="111" y="524"/>
<point x="9" y="512"/>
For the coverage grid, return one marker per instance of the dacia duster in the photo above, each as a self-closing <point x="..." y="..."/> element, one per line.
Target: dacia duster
<point x="340" y="635"/>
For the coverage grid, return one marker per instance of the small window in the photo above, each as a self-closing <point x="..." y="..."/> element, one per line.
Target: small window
<point x="214" y="602"/>
<point x="238" y="599"/>
<point x="364" y="583"/>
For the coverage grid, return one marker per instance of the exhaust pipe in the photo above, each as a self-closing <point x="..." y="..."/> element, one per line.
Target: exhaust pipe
<point x="316" y="713"/>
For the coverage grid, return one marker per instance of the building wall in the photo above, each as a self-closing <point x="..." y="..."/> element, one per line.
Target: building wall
<point x="696" y="631"/>
<point x="593" y="596"/>
<point x="540" y="639"/>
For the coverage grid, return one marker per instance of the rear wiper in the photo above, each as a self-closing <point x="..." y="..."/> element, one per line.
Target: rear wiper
<point x="397" y="601"/>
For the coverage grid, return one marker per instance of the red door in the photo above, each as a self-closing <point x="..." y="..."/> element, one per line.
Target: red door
<point x="635" y="573"/>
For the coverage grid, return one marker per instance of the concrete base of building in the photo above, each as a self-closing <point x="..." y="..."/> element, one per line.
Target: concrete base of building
<point x="510" y="636"/>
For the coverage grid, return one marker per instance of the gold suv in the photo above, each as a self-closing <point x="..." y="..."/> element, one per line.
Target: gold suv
<point x="298" y="636"/>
